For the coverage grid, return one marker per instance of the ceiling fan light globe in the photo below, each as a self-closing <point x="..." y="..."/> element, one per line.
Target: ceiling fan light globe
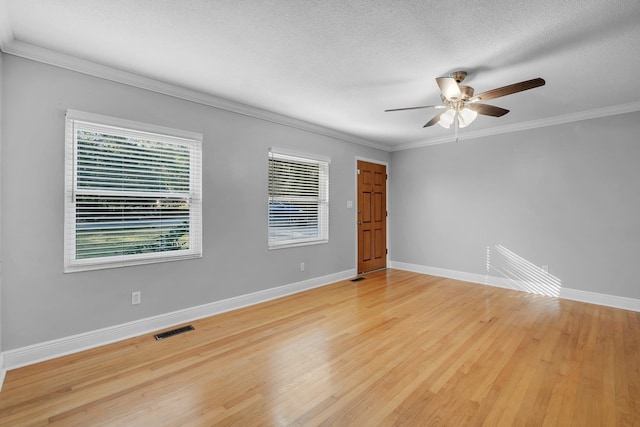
<point x="466" y="116"/>
<point x="447" y="118"/>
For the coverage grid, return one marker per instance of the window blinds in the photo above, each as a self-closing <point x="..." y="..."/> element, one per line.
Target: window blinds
<point x="298" y="199"/>
<point x="133" y="196"/>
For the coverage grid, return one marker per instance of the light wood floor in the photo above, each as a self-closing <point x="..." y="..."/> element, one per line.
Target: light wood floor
<point x="395" y="349"/>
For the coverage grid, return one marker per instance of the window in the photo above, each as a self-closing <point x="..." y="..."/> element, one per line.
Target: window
<point x="132" y="193"/>
<point x="298" y="199"/>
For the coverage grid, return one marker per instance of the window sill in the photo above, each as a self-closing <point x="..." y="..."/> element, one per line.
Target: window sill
<point x="298" y="244"/>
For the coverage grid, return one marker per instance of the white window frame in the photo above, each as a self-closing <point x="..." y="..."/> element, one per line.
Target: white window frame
<point x="78" y="120"/>
<point x="322" y="201"/>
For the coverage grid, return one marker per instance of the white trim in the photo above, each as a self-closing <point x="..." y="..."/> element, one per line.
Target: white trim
<point x="442" y="272"/>
<point x="47" y="56"/>
<point x="35" y="353"/>
<point x="37" y="53"/>
<point x="531" y="124"/>
<point x="138" y="129"/>
<point x="565" y="293"/>
<point x="601" y="299"/>
<point x="300" y="155"/>
<point x="40" y="54"/>
<point x="190" y="142"/>
<point x="297" y="244"/>
<point x="322" y="201"/>
<point x="3" y="371"/>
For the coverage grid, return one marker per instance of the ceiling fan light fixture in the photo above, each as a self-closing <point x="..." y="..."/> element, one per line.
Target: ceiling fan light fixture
<point x="462" y="105"/>
<point x="466" y="116"/>
<point x="447" y="118"/>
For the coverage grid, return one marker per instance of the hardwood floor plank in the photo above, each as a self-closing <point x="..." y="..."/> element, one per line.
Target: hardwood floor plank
<point x="624" y="408"/>
<point x="398" y="348"/>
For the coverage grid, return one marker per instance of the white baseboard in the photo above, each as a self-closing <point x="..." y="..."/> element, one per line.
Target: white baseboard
<point x="35" y="353"/>
<point x="601" y="299"/>
<point x="3" y="371"/>
<point x="565" y="293"/>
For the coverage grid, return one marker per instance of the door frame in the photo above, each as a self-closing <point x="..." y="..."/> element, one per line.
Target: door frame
<point x="355" y="210"/>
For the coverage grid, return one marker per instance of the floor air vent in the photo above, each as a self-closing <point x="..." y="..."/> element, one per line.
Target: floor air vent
<point x="357" y="279"/>
<point x="173" y="332"/>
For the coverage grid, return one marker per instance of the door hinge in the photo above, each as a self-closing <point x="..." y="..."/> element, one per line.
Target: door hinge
<point x="358" y="171"/>
<point x="386" y="251"/>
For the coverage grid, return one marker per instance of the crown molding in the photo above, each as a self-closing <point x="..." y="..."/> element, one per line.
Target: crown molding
<point x="33" y="52"/>
<point x="531" y="124"/>
<point x="69" y="62"/>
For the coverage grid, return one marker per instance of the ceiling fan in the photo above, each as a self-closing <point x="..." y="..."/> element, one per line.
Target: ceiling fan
<point x="462" y="106"/>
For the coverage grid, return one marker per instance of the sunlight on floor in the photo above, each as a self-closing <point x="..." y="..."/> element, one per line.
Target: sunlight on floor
<point x="521" y="274"/>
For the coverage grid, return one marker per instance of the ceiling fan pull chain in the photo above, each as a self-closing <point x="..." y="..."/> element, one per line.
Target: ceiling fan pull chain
<point x="455" y="119"/>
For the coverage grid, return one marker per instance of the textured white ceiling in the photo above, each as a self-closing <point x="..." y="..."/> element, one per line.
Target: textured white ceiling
<point x="339" y="63"/>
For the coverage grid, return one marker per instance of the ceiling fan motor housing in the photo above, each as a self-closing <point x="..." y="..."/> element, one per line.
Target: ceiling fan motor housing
<point x="459" y="76"/>
<point x="466" y="91"/>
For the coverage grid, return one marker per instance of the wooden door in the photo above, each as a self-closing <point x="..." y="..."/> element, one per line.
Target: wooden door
<point x="372" y="216"/>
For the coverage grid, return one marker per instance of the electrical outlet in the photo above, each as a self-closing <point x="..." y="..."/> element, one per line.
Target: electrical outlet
<point x="136" y="297"/>
<point x="302" y="266"/>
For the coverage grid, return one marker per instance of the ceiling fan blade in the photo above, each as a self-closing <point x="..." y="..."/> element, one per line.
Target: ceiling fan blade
<point x="508" y="90"/>
<point x="414" y="108"/>
<point x="488" y="110"/>
<point x="433" y="121"/>
<point x="449" y="88"/>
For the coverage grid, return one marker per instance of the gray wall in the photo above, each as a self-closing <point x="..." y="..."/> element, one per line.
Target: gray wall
<point x="566" y="196"/>
<point x="1" y="131"/>
<point x="41" y="303"/>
